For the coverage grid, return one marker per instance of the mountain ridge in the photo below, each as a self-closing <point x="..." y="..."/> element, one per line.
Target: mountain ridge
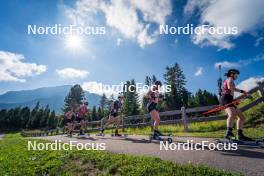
<point x="52" y="96"/>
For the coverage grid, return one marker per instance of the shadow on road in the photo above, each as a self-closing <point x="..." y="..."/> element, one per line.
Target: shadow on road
<point x="137" y="140"/>
<point x="244" y="153"/>
<point x="127" y="139"/>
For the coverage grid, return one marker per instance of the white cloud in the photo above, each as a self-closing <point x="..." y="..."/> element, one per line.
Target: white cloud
<point x="258" y="41"/>
<point x="227" y="64"/>
<point x="250" y="83"/>
<point x="193" y="5"/>
<point x="247" y="15"/>
<point x="118" y="41"/>
<point x="240" y="63"/>
<point x="12" y="67"/>
<point x="72" y="73"/>
<point x="206" y="39"/>
<point x="131" y="18"/>
<point x="199" y="71"/>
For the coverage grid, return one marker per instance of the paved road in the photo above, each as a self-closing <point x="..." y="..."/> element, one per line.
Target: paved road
<point x="247" y="160"/>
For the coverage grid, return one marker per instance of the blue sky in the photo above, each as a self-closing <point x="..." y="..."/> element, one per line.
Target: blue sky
<point x="126" y="50"/>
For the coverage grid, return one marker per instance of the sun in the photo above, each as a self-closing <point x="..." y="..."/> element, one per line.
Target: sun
<point x="74" y="42"/>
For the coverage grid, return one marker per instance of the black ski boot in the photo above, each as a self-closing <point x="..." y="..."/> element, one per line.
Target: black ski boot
<point x="229" y="134"/>
<point x="241" y="136"/>
<point x="117" y="134"/>
<point x="158" y="133"/>
<point x="81" y="133"/>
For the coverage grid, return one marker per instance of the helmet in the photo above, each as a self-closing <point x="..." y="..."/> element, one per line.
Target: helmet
<point x="230" y="71"/>
<point x="158" y="83"/>
<point x="120" y="95"/>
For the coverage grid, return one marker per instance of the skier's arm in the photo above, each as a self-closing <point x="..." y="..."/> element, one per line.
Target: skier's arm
<point x="148" y="96"/>
<point x="231" y="86"/>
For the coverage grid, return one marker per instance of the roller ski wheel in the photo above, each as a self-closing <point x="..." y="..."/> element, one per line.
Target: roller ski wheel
<point x="159" y="138"/>
<point x="169" y="140"/>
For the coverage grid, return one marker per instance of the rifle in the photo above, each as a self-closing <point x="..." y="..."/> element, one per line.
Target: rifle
<point x="220" y="108"/>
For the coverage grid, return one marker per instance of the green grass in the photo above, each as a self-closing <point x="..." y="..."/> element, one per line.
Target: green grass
<point x="15" y="159"/>
<point x="176" y="129"/>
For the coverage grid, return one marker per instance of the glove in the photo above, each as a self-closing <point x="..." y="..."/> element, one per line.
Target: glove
<point x="242" y="91"/>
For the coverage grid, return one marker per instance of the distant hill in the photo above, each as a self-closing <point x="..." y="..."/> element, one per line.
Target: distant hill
<point x="52" y="96"/>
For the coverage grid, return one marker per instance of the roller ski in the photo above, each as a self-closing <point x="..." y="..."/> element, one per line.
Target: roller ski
<point x="69" y="134"/>
<point x="241" y="140"/>
<point x="82" y="135"/>
<point x="162" y="134"/>
<point x="249" y="142"/>
<point x="101" y="134"/>
<point x="157" y="136"/>
<point x="254" y="143"/>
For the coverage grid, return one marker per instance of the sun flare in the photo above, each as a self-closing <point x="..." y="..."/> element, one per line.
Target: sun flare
<point x="74" y="42"/>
